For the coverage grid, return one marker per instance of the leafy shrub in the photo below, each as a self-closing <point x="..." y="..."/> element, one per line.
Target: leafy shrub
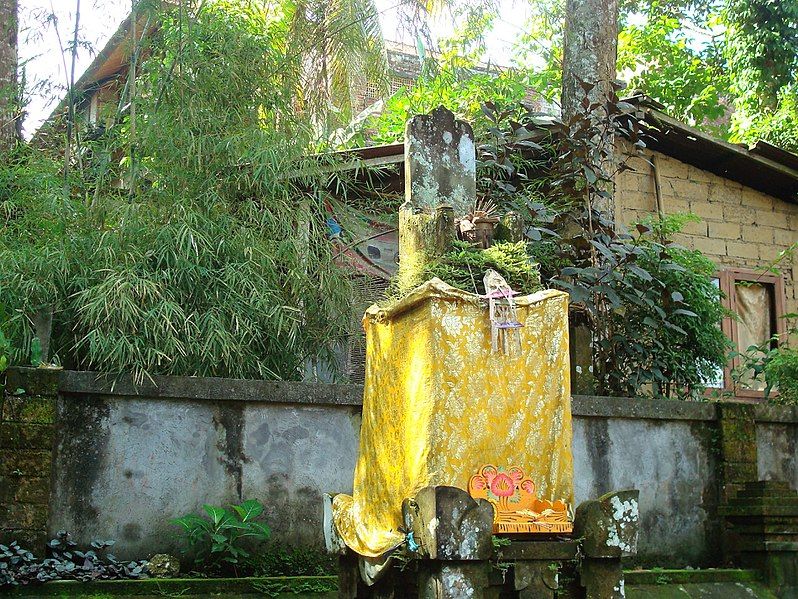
<point x="653" y="311"/>
<point x="66" y="561"/>
<point x="220" y="543"/>
<point x="781" y="372"/>
<point x="776" y="361"/>
<point x="199" y="253"/>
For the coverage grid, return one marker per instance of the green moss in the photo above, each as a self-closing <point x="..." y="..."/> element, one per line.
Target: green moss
<point x="465" y="265"/>
<point x="678" y="576"/>
<point x="298" y="586"/>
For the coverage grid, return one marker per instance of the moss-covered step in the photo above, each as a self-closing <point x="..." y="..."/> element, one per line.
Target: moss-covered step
<point x="700" y="590"/>
<point x="660" y="576"/>
<point x="289" y="586"/>
<point x="711" y="583"/>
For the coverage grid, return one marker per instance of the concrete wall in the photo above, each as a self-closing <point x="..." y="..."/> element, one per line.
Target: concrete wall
<point x="128" y="459"/>
<point x="740" y="227"/>
<point x="669" y="458"/>
<point x="126" y="464"/>
<point x="777" y="443"/>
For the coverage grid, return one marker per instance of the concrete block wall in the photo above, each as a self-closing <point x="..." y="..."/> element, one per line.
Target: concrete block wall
<point x="27" y="414"/>
<point x="739" y="228"/>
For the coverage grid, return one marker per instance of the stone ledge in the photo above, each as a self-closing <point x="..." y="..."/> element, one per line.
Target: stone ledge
<point x="776" y="414"/>
<point x="214" y="389"/>
<point x="220" y="389"/>
<point x="35" y="381"/>
<point x="638" y="408"/>
<point x="539" y="550"/>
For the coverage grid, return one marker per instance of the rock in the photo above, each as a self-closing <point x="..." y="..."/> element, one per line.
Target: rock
<point x="449" y="524"/>
<point x="163" y="565"/>
<point x="608" y="526"/>
<point x="440" y="162"/>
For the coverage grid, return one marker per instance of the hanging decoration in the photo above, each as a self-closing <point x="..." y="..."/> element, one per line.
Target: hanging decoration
<point x="504" y="323"/>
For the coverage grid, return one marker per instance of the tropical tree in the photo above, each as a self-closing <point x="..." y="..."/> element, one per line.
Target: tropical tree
<point x="9" y="107"/>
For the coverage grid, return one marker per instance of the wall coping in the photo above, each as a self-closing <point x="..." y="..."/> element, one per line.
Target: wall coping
<point x="593" y="406"/>
<point x="775" y="413"/>
<point x="72" y="382"/>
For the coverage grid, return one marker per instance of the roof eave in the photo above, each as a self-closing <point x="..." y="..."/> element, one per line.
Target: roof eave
<point x="763" y="167"/>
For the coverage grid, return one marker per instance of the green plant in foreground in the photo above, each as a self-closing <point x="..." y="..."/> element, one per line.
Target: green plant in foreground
<point x="781" y="371"/>
<point x="219" y="542"/>
<point x="777" y="362"/>
<point x="65" y="561"/>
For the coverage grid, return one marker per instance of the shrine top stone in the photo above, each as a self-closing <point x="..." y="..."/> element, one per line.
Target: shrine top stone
<point x="440" y="162"/>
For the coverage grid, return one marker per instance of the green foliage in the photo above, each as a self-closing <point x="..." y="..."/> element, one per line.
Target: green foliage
<point x="465" y="265"/>
<point x="650" y="306"/>
<point x="220" y="543"/>
<point x="775" y="361"/>
<point x="761" y="46"/>
<point x="201" y="252"/>
<point x="781" y="372"/>
<point x="539" y="49"/>
<point x="653" y="311"/>
<point x="457" y="80"/>
<point x="778" y="126"/>
<point x="665" y="64"/>
<point x="5" y="351"/>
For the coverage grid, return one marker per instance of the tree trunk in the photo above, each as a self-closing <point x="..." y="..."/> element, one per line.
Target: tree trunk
<point x="9" y="106"/>
<point x="590" y="52"/>
<point x="589" y="56"/>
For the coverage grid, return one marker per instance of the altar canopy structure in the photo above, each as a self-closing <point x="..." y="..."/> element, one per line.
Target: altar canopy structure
<point x="439" y="404"/>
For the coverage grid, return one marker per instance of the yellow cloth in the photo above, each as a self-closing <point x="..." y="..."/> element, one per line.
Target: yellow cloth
<point x="438" y="405"/>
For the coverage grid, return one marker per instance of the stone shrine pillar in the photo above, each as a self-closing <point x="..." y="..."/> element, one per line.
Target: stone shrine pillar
<point x="440" y="187"/>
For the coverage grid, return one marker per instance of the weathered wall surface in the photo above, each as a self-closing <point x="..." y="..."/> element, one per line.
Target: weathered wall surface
<point x="777" y="443"/>
<point x="740" y="227"/>
<point x="26" y="436"/>
<point x="672" y="464"/>
<point x="126" y="464"/>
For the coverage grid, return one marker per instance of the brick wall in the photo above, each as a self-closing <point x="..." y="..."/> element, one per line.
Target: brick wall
<point x="739" y="228"/>
<point x="27" y="412"/>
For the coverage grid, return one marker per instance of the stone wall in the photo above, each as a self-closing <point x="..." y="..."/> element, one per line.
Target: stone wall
<point x="740" y="227"/>
<point x="128" y="459"/>
<point x="27" y="412"/>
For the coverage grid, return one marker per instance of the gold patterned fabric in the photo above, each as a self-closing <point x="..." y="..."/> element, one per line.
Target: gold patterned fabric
<point x="438" y="405"/>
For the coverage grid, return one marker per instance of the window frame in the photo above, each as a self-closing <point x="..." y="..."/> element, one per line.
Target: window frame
<point x="728" y="277"/>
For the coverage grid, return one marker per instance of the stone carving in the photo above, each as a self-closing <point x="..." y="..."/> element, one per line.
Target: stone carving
<point x="448" y="524"/>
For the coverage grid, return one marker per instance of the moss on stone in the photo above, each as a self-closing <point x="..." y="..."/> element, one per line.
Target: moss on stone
<point x="289" y="586"/>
